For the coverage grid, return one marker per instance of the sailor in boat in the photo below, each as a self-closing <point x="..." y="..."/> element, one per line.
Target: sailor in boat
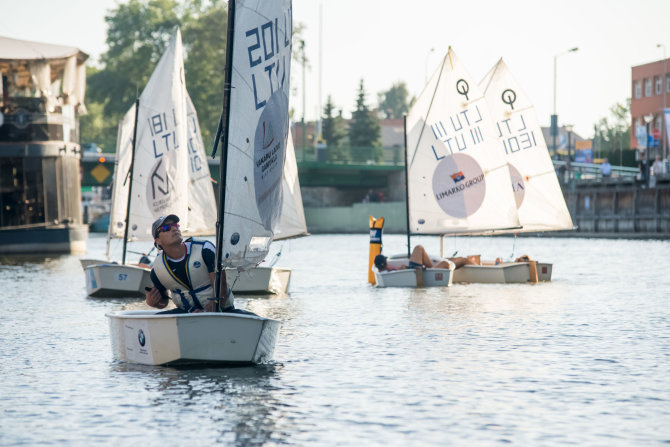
<point x="184" y="271"/>
<point x="419" y="258"/>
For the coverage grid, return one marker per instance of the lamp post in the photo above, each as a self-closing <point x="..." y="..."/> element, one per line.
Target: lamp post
<point x="568" y="129"/>
<point x="664" y="86"/>
<point x="426" y="70"/>
<point x="554" y="117"/>
<point x="302" y="121"/>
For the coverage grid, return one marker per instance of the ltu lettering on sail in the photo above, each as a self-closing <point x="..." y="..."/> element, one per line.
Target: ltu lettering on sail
<point x="461" y="129"/>
<point x="269" y="56"/>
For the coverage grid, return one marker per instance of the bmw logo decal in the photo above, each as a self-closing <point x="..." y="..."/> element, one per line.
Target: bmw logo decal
<point x="141" y="338"/>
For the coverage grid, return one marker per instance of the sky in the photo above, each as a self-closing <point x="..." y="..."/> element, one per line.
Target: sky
<point x="384" y="42"/>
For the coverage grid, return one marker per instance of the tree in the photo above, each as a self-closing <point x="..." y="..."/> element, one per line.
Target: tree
<point x="394" y="102"/>
<point x="364" y="131"/>
<point x="333" y="133"/>
<point x="612" y="136"/>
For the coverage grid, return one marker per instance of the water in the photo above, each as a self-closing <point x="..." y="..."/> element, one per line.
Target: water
<point x="583" y="360"/>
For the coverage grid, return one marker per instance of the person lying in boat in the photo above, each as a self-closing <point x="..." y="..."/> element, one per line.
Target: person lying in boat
<point x="419" y="258"/>
<point x="187" y="269"/>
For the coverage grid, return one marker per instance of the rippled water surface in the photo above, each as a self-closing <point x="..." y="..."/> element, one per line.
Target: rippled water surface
<point x="583" y="360"/>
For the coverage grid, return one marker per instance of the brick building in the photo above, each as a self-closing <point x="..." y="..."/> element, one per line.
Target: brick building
<point x="649" y="97"/>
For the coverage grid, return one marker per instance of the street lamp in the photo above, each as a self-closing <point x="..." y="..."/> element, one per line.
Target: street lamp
<point x="554" y="117"/>
<point x="427" y="56"/>
<point x="568" y="129"/>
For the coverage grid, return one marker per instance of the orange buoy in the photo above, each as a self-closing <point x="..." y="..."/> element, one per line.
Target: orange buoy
<point x="376" y="227"/>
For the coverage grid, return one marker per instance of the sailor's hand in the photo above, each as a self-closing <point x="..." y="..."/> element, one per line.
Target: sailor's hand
<point x="154" y="298"/>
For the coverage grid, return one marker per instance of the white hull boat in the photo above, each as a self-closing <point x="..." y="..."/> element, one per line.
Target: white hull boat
<point x="88" y="262"/>
<point x="150" y="338"/>
<point x="504" y="273"/>
<point x="259" y="280"/>
<point x="430" y="277"/>
<point x="117" y="280"/>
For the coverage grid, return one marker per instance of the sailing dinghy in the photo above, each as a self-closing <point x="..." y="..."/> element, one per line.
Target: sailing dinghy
<point x="457" y="179"/>
<point x="537" y="194"/>
<point x="158" y="157"/>
<point x="253" y="130"/>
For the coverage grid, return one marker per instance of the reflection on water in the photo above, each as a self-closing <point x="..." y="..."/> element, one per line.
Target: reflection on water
<point x="582" y="360"/>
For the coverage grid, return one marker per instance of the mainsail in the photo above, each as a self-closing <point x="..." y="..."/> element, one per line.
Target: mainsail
<point x="257" y="128"/>
<point x="458" y="181"/>
<point x="292" y="222"/>
<point x="160" y="174"/>
<point x="539" y="199"/>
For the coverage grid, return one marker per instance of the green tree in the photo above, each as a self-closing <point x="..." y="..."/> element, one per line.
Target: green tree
<point x="394" y="102"/>
<point x="333" y="132"/>
<point x="612" y="134"/>
<point x="364" y="131"/>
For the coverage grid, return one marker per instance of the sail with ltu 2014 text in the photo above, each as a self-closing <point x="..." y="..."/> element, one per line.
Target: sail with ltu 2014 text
<point x="256" y="130"/>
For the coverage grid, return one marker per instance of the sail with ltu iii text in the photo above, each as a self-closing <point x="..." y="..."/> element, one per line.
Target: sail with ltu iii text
<point x="166" y="166"/>
<point x="538" y="196"/>
<point x="257" y="129"/>
<point x="458" y="181"/>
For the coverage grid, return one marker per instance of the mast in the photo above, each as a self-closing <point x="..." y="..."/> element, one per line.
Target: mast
<point x="404" y="127"/>
<point x="222" y="132"/>
<point x="130" y="177"/>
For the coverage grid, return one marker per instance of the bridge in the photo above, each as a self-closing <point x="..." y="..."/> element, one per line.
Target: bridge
<point x="98" y="170"/>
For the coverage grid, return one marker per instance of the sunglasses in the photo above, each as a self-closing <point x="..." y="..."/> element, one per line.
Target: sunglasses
<point x="167" y="227"/>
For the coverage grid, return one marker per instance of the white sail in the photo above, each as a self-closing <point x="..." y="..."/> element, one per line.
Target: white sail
<point x="539" y="199"/>
<point x="292" y="222"/>
<point x="160" y="170"/>
<point x="458" y="181"/>
<point x="201" y="201"/>
<point x="257" y="129"/>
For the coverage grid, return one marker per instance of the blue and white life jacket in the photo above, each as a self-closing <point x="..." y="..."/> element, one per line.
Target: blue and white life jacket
<point x="195" y="294"/>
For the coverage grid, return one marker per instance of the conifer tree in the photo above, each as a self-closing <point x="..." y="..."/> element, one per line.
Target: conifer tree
<point x="364" y="131"/>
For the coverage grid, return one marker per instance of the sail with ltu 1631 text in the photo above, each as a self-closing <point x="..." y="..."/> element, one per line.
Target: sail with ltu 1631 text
<point x="458" y="180"/>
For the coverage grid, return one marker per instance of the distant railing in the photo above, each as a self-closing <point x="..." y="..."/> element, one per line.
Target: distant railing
<point x="590" y="171"/>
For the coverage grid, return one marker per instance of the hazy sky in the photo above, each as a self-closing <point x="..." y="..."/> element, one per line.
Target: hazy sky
<point x="387" y="41"/>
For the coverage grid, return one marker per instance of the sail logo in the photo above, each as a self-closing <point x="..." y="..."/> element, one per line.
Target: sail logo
<point x="458" y="177"/>
<point x="518" y="185"/>
<point x="269" y="153"/>
<point x="459" y="185"/>
<point x="161" y="194"/>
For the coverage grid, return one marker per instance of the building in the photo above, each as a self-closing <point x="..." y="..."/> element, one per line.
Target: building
<point x="649" y="97"/>
<point x="42" y="89"/>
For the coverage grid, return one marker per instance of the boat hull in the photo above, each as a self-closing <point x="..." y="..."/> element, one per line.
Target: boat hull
<point x="505" y="273"/>
<point x="116" y="280"/>
<point x="40" y="239"/>
<point x="432" y="277"/>
<point x="407" y="278"/>
<point x="259" y="280"/>
<point x="149" y="338"/>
